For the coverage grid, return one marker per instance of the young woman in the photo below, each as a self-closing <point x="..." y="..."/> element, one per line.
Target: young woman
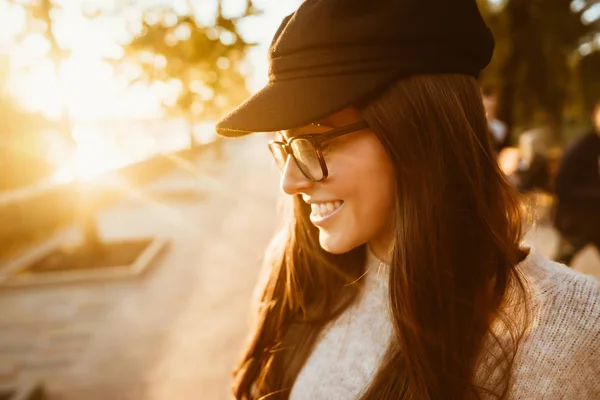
<point x="401" y="272"/>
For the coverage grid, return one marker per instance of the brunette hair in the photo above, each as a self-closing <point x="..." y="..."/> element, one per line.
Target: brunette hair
<point x="458" y="302"/>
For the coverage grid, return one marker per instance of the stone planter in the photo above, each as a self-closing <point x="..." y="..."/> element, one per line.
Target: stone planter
<point x="57" y="264"/>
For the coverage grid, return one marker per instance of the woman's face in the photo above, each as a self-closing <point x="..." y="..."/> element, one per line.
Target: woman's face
<point x="353" y="205"/>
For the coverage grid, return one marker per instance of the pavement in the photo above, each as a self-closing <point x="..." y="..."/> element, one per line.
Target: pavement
<point x="175" y="332"/>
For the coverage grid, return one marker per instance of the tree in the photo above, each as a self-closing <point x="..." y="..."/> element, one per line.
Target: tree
<point x="21" y="152"/>
<point x="533" y="67"/>
<point x="205" y="62"/>
<point x="586" y="60"/>
<point x="40" y="20"/>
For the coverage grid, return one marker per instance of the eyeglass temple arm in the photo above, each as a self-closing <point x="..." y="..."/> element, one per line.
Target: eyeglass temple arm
<point x="344" y="130"/>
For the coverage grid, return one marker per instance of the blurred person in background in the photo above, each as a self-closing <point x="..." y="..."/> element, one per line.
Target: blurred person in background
<point x="498" y="129"/>
<point x="577" y="186"/>
<point x="400" y="272"/>
<point x="532" y="168"/>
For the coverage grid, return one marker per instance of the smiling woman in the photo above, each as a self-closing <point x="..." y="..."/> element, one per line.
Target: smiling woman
<point x="402" y="271"/>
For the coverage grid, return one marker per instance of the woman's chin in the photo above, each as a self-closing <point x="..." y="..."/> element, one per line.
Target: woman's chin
<point x="334" y="243"/>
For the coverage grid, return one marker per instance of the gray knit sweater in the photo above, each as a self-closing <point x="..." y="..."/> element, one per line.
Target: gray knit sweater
<point x="559" y="357"/>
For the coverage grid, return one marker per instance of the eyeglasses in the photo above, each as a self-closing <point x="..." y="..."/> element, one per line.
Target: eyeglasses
<point x="306" y="150"/>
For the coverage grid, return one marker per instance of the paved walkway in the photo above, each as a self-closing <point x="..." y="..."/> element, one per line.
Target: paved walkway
<point x="175" y="332"/>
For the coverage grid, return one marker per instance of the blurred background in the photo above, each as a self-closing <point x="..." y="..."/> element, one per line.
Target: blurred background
<point x="131" y="236"/>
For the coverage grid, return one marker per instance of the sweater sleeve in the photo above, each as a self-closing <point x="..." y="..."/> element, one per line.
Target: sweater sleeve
<point x="560" y="356"/>
<point x="581" y="370"/>
<point x="586" y="360"/>
<point x="587" y="365"/>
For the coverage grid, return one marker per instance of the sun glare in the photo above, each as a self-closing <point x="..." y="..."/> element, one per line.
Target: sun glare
<point x="93" y="156"/>
<point x="92" y="92"/>
<point x="85" y="84"/>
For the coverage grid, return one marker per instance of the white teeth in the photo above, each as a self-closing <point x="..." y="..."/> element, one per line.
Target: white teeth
<point x="322" y="210"/>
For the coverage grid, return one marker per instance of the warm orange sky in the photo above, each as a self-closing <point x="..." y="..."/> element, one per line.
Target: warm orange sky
<point x="91" y="89"/>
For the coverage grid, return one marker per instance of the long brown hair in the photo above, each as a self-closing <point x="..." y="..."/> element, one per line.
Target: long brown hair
<point x="458" y="302"/>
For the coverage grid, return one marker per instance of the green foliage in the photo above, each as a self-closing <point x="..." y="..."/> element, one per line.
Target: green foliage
<point x="540" y="78"/>
<point x="40" y="19"/>
<point x="204" y="61"/>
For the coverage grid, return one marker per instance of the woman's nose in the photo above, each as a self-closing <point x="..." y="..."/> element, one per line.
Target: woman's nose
<point x="293" y="180"/>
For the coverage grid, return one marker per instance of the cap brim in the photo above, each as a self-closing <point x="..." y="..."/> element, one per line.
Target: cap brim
<point x="293" y="103"/>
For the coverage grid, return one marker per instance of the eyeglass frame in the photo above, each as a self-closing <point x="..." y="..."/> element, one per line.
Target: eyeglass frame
<point x="316" y="140"/>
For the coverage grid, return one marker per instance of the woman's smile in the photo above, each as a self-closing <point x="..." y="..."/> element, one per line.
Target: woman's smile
<point x="323" y="211"/>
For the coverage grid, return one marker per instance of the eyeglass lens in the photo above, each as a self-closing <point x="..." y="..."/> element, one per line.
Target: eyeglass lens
<point x="305" y="154"/>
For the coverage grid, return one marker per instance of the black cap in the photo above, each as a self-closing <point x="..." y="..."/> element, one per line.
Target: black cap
<point x="331" y="54"/>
